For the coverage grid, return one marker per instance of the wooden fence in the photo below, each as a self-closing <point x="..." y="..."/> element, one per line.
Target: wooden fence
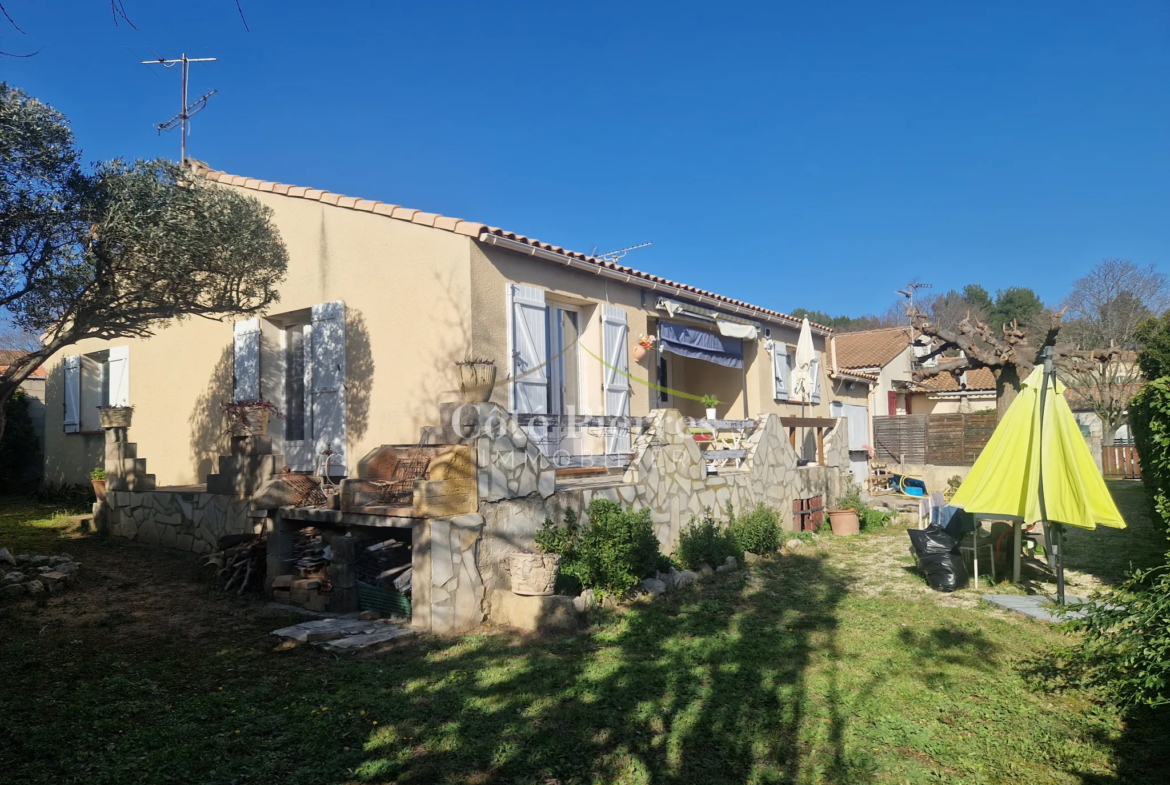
<point x="936" y="439"/>
<point x="1120" y="462"/>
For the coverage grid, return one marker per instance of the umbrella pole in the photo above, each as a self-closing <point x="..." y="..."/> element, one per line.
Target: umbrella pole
<point x="1055" y="528"/>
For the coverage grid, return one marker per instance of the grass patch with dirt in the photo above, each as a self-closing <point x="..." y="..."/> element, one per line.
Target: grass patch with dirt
<point x="834" y="664"/>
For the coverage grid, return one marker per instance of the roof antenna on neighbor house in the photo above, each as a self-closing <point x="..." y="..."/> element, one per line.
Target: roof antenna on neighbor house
<point x="613" y="256"/>
<point x="909" y="292"/>
<point x="195" y="107"/>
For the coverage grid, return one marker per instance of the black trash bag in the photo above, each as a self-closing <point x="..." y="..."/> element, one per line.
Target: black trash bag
<point x="939" y="559"/>
<point x="932" y="540"/>
<point x="944" y="571"/>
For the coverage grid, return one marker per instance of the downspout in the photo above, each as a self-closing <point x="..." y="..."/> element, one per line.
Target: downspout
<point x="743" y="375"/>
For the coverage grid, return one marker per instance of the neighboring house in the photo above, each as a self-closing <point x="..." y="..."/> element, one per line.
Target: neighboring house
<point x="379" y="304"/>
<point x="973" y="391"/>
<point x="34" y="386"/>
<point x="885" y="354"/>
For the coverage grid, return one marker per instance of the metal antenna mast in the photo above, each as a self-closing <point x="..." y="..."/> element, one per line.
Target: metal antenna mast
<point x="613" y="256"/>
<point x="186" y="110"/>
<point x="909" y="292"/>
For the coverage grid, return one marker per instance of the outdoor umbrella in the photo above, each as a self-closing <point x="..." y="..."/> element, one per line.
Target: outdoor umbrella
<point x="1037" y="467"/>
<point x="802" y="381"/>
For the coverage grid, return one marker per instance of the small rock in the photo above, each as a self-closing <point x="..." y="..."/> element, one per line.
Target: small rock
<point x="51" y="577"/>
<point x="654" y="586"/>
<point x="44" y="568"/>
<point x="22" y="558"/>
<point x="35" y="560"/>
<point x="751" y="558"/>
<point x="793" y="544"/>
<point x="14" y="577"/>
<point x="33" y="587"/>
<point x="55" y="560"/>
<point x="68" y="567"/>
<point x="686" y="578"/>
<point x="12" y="590"/>
<point x="64" y="557"/>
<point x="724" y="568"/>
<point x="730" y="562"/>
<point x="586" y="602"/>
<point x="705" y="570"/>
<point x="6" y="557"/>
<point x="369" y="615"/>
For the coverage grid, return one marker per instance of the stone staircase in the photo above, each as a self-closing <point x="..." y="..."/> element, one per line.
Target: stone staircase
<point x="251" y="464"/>
<point x="125" y="471"/>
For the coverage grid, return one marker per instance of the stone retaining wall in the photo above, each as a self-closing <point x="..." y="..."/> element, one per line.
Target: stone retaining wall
<point x="669" y="476"/>
<point x="187" y="521"/>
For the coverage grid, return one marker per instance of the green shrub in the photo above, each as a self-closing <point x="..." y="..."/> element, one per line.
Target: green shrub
<point x="19" y="448"/>
<point x="702" y="542"/>
<point x="1127" y="636"/>
<point x="757" y="531"/>
<point x="868" y="518"/>
<point x="611" y="555"/>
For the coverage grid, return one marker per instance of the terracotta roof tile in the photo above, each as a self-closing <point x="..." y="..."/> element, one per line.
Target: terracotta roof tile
<point x="871" y="348"/>
<point x="978" y="380"/>
<point x="477" y="230"/>
<point x="364" y="204"/>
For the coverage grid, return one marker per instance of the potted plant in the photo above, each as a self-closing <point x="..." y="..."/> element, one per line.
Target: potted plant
<point x="477" y="378"/>
<point x="115" y="416"/>
<point x="645" y="344"/>
<point x="709" y="403"/>
<point x="534" y="574"/>
<point x="250" y="418"/>
<point x="97" y="479"/>
<point x="845" y="521"/>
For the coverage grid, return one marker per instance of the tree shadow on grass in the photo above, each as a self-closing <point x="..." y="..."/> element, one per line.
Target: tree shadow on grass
<point x="705" y="685"/>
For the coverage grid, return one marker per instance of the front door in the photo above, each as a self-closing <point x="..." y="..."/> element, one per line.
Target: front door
<point x="566" y="385"/>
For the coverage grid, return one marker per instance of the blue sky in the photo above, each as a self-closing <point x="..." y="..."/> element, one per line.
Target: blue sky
<point x="815" y="154"/>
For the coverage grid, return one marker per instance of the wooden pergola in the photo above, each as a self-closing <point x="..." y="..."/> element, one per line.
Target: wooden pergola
<point x="819" y="424"/>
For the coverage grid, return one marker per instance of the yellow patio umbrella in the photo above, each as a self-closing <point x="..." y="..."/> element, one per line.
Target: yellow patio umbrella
<point x="1037" y="467"/>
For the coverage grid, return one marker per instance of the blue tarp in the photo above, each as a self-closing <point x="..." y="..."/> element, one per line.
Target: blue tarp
<point x="700" y="344"/>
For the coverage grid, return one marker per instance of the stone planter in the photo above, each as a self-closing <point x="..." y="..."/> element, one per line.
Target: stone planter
<point x="115" y="416"/>
<point x="476" y="381"/>
<point x="844" y="523"/>
<point x="255" y="422"/>
<point x="99" y="489"/>
<point x="534" y="574"/>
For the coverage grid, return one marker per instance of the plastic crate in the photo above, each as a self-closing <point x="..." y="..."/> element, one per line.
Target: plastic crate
<point x="386" y="601"/>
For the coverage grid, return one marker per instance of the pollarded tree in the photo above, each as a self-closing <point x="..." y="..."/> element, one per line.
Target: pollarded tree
<point x="121" y="250"/>
<point x="1106" y="309"/>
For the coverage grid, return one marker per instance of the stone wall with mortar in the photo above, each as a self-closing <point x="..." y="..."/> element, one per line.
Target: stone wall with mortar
<point x="187" y="521"/>
<point x="669" y="476"/>
<point x="447" y="594"/>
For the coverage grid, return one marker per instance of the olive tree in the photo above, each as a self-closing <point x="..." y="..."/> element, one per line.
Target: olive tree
<point x="118" y="249"/>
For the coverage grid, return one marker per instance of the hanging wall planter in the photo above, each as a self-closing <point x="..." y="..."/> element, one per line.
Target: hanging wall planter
<point x="645" y="344"/>
<point x="477" y="379"/>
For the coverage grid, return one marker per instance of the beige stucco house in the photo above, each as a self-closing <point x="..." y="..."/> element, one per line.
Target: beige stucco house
<point x="379" y="304"/>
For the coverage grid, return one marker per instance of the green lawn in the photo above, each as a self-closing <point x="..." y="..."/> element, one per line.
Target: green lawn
<point x="836" y="665"/>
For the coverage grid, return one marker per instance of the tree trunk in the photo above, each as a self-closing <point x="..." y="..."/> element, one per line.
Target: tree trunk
<point x="1108" y="433"/>
<point x="1007" y="387"/>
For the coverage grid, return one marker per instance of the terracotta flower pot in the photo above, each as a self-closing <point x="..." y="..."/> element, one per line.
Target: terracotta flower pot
<point x="639" y="353"/>
<point x="844" y="523"/>
<point x="115" y="416"/>
<point x="476" y="381"/>
<point x="534" y="574"/>
<point x="255" y="422"/>
<point x="99" y="489"/>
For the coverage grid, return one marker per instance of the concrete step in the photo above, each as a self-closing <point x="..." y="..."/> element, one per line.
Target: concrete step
<point x="251" y="464"/>
<point x="116" y="452"/>
<point x="132" y="466"/>
<point x="141" y="482"/>
<point x="237" y="484"/>
<point x="252" y="445"/>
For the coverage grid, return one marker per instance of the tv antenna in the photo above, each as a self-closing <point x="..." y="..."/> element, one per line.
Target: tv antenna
<point x="186" y="111"/>
<point x="909" y="292"/>
<point x="613" y="256"/>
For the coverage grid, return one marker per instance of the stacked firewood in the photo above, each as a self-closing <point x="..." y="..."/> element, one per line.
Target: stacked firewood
<point x="242" y="562"/>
